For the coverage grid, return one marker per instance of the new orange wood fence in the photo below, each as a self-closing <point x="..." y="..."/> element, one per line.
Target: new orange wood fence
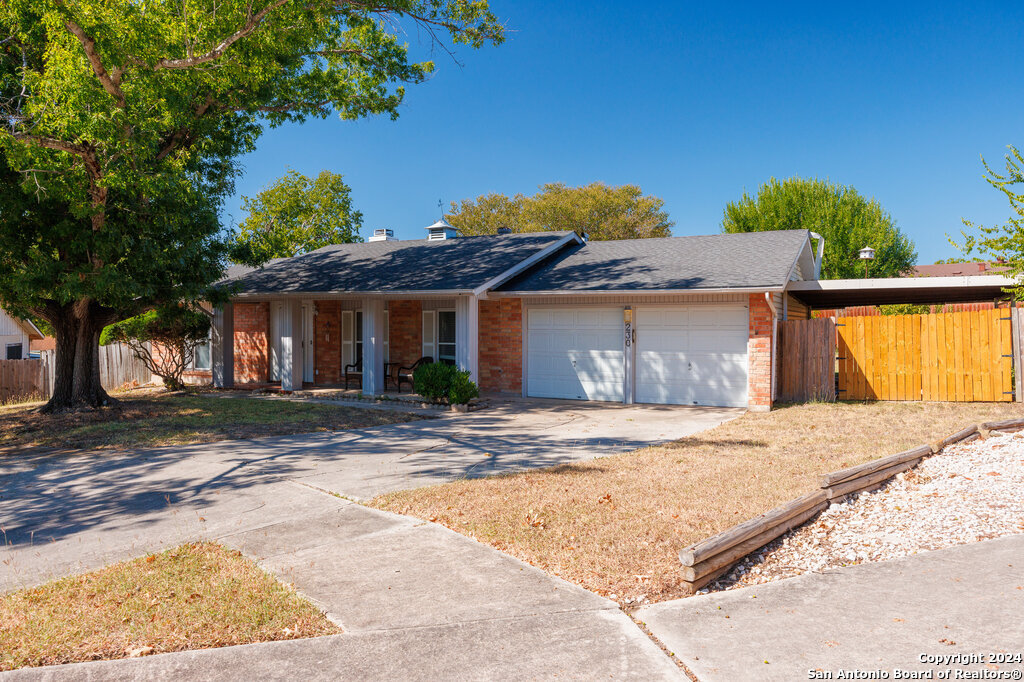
<point x="962" y="357"/>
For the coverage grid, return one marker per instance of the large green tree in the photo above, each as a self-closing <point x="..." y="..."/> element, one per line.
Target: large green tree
<point x="847" y="220"/>
<point x="121" y="125"/>
<point x="1007" y="240"/>
<point x="600" y="210"/>
<point x="297" y="214"/>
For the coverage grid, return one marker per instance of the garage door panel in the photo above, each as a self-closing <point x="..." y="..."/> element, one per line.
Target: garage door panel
<point x="575" y="353"/>
<point x="719" y="340"/>
<point x="692" y="355"/>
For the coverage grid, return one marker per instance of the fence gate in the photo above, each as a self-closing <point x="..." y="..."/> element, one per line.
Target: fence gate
<point x="956" y="357"/>
<point x="807" y="351"/>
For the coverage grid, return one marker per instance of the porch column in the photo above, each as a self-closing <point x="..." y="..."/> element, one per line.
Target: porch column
<point x="373" y="346"/>
<point x="291" y="345"/>
<point x="222" y="346"/>
<point x="467" y="334"/>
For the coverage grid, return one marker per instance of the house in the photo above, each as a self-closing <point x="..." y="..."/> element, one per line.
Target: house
<point x="959" y="269"/>
<point x="15" y="336"/>
<point x="678" y="320"/>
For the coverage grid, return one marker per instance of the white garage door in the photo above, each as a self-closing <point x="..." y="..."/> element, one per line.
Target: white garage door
<point x="575" y="353"/>
<point x="692" y="355"/>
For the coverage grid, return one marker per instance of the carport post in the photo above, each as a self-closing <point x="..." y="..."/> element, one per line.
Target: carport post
<point x="291" y="345"/>
<point x="373" y="346"/>
<point x="222" y="346"/>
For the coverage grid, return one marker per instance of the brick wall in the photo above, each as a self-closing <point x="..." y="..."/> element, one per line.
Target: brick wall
<point x="759" y="351"/>
<point x="500" y="362"/>
<point x="252" y="322"/>
<point x="327" y="342"/>
<point x="405" y="331"/>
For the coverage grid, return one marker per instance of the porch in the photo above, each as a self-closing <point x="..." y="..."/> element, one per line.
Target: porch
<point x="341" y="342"/>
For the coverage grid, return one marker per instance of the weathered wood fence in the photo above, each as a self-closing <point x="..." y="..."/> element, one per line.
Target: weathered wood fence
<point x="961" y="357"/>
<point x="807" y="352"/>
<point x="20" y="379"/>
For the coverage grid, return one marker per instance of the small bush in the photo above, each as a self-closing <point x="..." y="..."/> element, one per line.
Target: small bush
<point x="432" y="381"/>
<point x="462" y="389"/>
<point x="440" y="382"/>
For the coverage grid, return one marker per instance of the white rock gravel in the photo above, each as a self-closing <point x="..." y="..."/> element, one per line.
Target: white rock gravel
<point x="969" y="492"/>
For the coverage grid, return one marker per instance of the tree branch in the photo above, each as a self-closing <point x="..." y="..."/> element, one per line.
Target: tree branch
<point x="111" y="82"/>
<point x="250" y="25"/>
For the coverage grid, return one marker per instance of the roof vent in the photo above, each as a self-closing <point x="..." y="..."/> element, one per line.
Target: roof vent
<point x="440" y="230"/>
<point x="383" y="234"/>
<point x="504" y="230"/>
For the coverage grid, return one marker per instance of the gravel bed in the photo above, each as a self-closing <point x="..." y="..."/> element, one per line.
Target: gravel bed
<point x="969" y="492"/>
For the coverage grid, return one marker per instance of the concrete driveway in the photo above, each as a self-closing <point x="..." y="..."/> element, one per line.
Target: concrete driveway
<point x="386" y="579"/>
<point x="63" y="514"/>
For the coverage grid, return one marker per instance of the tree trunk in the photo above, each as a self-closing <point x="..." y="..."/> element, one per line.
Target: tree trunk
<point x="65" y="331"/>
<point x="77" y="371"/>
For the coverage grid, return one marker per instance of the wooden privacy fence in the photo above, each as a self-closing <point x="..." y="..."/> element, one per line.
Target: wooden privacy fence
<point x="957" y="357"/>
<point x="807" y="352"/>
<point x="119" y="366"/>
<point x="20" y="379"/>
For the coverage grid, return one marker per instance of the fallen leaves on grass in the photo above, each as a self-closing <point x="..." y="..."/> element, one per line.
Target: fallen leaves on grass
<point x="607" y="520"/>
<point x="192" y="597"/>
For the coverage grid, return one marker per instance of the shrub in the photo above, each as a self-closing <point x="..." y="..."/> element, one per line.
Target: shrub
<point x="433" y="380"/>
<point x="440" y="382"/>
<point x="462" y="389"/>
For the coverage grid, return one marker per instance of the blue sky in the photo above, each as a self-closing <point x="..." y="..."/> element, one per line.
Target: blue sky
<point x="694" y="102"/>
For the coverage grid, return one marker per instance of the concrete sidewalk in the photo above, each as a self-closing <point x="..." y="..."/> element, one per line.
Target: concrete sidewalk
<point x="966" y="599"/>
<point x="416" y="602"/>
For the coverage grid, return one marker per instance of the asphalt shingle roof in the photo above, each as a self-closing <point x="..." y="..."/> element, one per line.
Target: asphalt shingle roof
<point x="721" y="261"/>
<point x="459" y="264"/>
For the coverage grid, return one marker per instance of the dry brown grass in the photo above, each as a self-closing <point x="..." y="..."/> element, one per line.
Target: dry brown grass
<point x="155" y="418"/>
<point x="615" y="525"/>
<point x="193" y="597"/>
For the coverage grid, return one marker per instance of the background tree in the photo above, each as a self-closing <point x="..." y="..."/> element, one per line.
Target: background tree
<point x="846" y="220"/>
<point x="297" y="214"/>
<point x="602" y="211"/>
<point x="1006" y="240"/>
<point x="164" y="339"/>
<point x="121" y="126"/>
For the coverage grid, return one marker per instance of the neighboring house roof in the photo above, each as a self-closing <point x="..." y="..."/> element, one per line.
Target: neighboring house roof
<point x="30" y="329"/>
<point x="463" y="264"/>
<point x="957" y="269"/>
<point x="748" y="260"/>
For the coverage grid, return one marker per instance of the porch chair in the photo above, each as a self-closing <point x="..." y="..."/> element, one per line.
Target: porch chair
<point x="405" y="373"/>
<point x="355" y="370"/>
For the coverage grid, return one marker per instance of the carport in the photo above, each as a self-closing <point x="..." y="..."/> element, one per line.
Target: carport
<point x="964" y="355"/>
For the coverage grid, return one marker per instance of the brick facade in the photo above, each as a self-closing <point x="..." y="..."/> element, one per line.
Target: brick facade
<point x="327" y="342"/>
<point x="500" y="361"/>
<point x="759" y="351"/>
<point x="252" y="324"/>
<point x="405" y="331"/>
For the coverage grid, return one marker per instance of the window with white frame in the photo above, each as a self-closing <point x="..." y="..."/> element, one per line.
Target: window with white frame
<point x="201" y="356"/>
<point x="439" y="335"/>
